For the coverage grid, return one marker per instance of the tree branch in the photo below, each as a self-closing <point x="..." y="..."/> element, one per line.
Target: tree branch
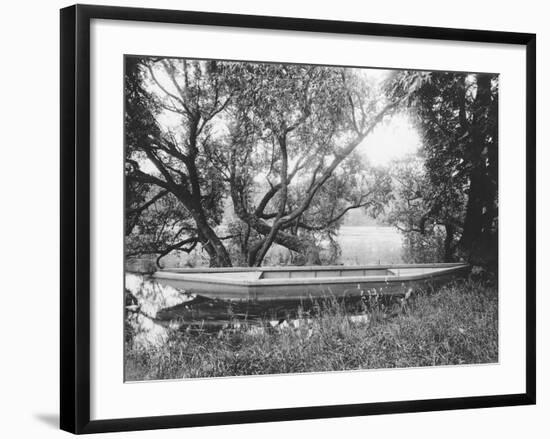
<point x="138" y="210"/>
<point x="339" y="157"/>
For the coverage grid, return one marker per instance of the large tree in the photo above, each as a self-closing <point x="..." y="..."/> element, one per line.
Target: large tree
<point x="296" y="130"/>
<point x="171" y="161"/>
<point x="277" y="140"/>
<point x="430" y="217"/>
<point x="457" y="114"/>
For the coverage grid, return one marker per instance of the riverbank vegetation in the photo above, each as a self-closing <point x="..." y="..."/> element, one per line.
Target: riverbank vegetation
<point x="230" y="159"/>
<point x="456" y="325"/>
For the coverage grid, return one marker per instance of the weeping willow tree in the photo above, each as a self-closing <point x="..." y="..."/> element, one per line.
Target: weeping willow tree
<point x="274" y="141"/>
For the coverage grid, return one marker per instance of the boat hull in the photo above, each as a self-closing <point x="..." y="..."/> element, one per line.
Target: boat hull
<point x="304" y="283"/>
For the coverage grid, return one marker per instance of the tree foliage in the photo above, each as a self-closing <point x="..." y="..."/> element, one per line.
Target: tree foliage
<point x="275" y="140"/>
<point x="457" y="114"/>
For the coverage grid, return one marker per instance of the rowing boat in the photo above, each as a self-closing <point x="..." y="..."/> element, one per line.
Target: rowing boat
<point x="306" y="282"/>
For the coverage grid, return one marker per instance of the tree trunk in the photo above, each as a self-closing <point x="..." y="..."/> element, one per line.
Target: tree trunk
<point x="307" y="250"/>
<point x="219" y="257"/>
<point x="305" y="247"/>
<point x="478" y="241"/>
<point x="448" y="244"/>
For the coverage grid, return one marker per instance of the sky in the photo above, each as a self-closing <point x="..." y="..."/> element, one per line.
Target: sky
<point x="392" y="139"/>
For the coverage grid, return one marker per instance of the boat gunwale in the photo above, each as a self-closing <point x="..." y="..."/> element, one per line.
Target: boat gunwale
<point x="310" y="268"/>
<point x="194" y="277"/>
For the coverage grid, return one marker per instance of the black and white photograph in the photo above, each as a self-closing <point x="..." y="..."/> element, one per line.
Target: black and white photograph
<point x="294" y="218"/>
<point x="271" y="220"/>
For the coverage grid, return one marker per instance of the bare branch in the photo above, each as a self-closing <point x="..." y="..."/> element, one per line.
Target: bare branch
<point x="334" y="164"/>
<point x="138" y="210"/>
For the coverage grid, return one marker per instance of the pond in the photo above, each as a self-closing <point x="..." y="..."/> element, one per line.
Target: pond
<point x="364" y="245"/>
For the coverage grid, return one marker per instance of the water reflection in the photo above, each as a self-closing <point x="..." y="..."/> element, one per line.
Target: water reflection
<point x="153" y="310"/>
<point x="151" y="296"/>
<point x="144" y="299"/>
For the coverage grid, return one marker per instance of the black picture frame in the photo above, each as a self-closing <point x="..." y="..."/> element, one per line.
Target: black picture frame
<point x="75" y="217"/>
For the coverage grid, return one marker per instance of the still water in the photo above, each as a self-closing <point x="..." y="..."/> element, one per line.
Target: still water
<point x="364" y="245"/>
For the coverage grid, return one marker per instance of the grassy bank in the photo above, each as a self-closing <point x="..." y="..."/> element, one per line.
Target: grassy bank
<point x="456" y="325"/>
